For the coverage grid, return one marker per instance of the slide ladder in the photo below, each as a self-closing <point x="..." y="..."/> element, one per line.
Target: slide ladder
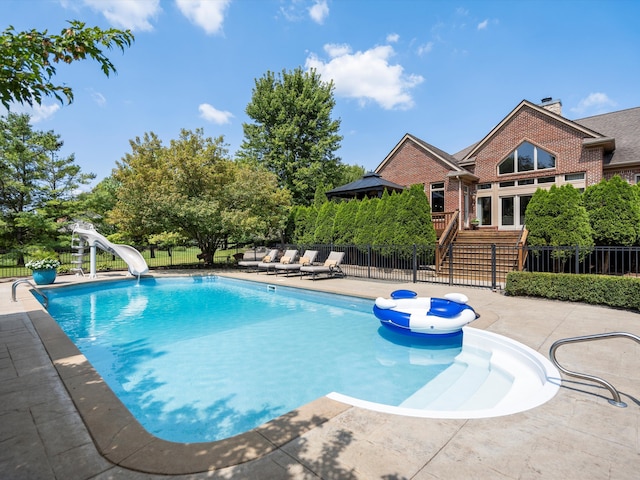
<point x="77" y="254"/>
<point x="86" y="235"/>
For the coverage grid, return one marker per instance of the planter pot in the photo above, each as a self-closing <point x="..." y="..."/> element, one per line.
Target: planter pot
<point x="44" y="277"/>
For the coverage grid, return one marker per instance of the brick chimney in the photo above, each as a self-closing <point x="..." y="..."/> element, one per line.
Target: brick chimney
<point x="552" y="105"/>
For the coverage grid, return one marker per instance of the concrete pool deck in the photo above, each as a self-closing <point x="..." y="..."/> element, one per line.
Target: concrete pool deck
<point x="577" y="434"/>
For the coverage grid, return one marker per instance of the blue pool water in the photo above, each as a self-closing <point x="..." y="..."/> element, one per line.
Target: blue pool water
<point x="205" y="358"/>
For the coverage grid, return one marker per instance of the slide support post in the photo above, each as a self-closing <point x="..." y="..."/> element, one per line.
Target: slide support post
<point x="92" y="272"/>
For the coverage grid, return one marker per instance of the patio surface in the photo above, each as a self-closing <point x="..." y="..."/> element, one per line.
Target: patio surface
<point x="59" y="421"/>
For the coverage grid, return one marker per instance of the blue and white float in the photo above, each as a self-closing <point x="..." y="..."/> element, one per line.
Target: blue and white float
<point x="409" y="314"/>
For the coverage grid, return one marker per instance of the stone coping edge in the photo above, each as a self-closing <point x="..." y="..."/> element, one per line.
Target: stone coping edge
<point x="121" y="439"/>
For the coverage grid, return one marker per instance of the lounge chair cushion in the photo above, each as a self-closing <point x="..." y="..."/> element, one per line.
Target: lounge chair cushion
<point x="330" y="263"/>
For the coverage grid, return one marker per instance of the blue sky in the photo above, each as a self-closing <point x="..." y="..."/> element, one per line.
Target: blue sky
<point x="445" y="71"/>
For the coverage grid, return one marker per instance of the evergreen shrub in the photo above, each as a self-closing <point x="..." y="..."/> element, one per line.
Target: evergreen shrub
<point x="619" y="292"/>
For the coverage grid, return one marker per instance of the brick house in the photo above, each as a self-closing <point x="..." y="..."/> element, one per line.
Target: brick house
<point x="532" y="147"/>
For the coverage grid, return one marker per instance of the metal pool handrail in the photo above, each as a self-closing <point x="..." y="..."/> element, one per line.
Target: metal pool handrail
<point x="25" y="280"/>
<point x="587" y="338"/>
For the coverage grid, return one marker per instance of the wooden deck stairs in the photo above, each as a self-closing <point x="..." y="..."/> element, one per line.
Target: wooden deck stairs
<point x="473" y="253"/>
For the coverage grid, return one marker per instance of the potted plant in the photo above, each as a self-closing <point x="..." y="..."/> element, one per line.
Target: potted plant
<point x="474" y="223"/>
<point x="44" y="270"/>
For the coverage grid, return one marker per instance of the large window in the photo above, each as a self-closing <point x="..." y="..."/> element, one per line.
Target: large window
<point x="525" y="158"/>
<point x="437" y="197"/>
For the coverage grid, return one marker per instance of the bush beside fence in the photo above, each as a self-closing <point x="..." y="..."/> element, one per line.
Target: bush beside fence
<point x="619" y="292"/>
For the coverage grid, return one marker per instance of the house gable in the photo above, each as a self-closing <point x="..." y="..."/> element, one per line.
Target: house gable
<point x="414" y="161"/>
<point x="586" y="132"/>
<point x="562" y="138"/>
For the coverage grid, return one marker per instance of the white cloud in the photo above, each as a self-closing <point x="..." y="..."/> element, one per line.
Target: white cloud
<point x="366" y="76"/>
<point x="99" y="98"/>
<point x="483" y="25"/>
<point x="319" y="11"/>
<point x="207" y="14"/>
<point x="425" y="48"/>
<point x="393" y="38"/>
<point x="212" y="114"/>
<point x="134" y="15"/>
<point x="337" y="50"/>
<point x="37" y="113"/>
<point x="594" y="102"/>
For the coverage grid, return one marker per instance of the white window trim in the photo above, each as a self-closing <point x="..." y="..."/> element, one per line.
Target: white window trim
<point x="535" y="160"/>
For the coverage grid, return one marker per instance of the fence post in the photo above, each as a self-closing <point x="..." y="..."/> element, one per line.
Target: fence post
<point x="493" y="267"/>
<point x="577" y="259"/>
<point x="369" y="261"/>
<point x="415" y="264"/>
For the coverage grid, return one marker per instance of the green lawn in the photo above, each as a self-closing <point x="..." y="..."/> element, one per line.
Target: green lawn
<point x="180" y="256"/>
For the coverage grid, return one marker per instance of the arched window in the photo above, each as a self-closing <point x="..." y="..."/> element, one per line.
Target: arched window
<point x="525" y="158"/>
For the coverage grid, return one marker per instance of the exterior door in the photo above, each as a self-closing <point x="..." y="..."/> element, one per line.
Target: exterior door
<point x="512" y="210"/>
<point x="483" y="211"/>
<point x="507" y="212"/>
<point x="465" y="220"/>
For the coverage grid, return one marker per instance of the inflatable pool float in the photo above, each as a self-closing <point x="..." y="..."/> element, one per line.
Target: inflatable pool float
<point x="409" y="314"/>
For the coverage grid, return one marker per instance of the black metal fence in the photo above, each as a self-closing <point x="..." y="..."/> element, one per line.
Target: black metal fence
<point x="401" y="264"/>
<point x="477" y="265"/>
<point x="586" y="260"/>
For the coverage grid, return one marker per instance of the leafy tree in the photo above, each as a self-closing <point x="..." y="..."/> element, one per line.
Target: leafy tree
<point x="324" y="223"/>
<point x="319" y="196"/>
<point x="192" y="188"/>
<point x="28" y="59"/>
<point x="305" y="224"/>
<point x="366" y="222"/>
<point x="37" y="188"/>
<point x="344" y="224"/>
<point x="416" y="227"/>
<point x="20" y="171"/>
<point x="614" y="212"/>
<point x="636" y="192"/>
<point x="557" y="218"/>
<point x="349" y="173"/>
<point x="167" y="240"/>
<point x="96" y="205"/>
<point x="293" y="134"/>
<point x="387" y="222"/>
<point x="61" y="179"/>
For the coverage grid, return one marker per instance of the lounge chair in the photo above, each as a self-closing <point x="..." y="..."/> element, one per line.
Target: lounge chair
<point x="307" y="258"/>
<point x="248" y="264"/>
<point x="288" y="257"/>
<point x="331" y="266"/>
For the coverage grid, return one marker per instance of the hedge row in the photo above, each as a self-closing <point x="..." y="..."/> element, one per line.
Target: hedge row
<point x="619" y="292"/>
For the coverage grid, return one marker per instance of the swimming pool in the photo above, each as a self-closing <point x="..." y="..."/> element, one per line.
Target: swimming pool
<point x="205" y="358"/>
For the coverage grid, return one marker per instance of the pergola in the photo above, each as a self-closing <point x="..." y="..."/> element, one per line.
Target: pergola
<point x="370" y="185"/>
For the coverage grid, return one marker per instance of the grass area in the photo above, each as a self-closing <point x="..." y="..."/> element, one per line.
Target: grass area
<point x="180" y="256"/>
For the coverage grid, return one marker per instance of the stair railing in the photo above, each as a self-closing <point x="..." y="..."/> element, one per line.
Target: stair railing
<point x="616" y="401"/>
<point x="522" y="251"/>
<point x="25" y="280"/>
<point x="447" y="237"/>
